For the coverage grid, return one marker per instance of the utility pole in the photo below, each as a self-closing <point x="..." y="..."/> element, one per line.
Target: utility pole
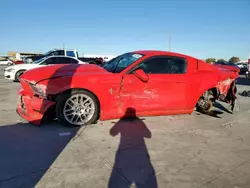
<point x="248" y="62"/>
<point x="63" y="46"/>
<point x="169" y="41"/>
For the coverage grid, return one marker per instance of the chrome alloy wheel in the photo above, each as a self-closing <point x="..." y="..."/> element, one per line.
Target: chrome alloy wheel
<point x="79" y="109"/>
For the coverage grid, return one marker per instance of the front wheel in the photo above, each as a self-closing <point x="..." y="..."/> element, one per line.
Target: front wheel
<point x="77" y="108"/>
<point x="18" y="74"/>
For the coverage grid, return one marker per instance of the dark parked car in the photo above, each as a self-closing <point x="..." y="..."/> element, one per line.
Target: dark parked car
<point x="232" y="65"/>
<point x="226" y="63"/>
<point x="243" y="67"/>
<point x="90" y="60"/>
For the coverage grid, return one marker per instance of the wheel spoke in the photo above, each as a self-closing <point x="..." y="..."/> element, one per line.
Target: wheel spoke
<point x="78" y="116"/>
<point x="86" y="100"/>
<point x="84" y="116"/>
<point x="81" y="118"/>
<point x="73" y="118"/>
<point x="87" y="105"/>
<point x="79" y="99"/>
<point x="69" y="114"/>
<point x="68" y="103"/>
<point x="82" y="100"/>
<point x="68" y="110"/>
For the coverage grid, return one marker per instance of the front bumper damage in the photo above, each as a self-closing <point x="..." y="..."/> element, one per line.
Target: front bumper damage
<point x="32" y="108"/>
<point x="228" y="92"/>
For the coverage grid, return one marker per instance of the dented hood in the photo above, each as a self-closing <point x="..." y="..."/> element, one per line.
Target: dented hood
<point x="55" y="71"/>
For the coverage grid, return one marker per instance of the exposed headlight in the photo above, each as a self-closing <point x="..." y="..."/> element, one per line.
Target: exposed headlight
<point x="38" y="89"/>
<point x="10" y="70"/>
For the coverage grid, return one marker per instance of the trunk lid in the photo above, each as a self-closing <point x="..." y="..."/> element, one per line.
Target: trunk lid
<point x="228" y="68"/>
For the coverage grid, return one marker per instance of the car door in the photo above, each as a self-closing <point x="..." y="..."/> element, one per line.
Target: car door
<point x="165" y="89"/>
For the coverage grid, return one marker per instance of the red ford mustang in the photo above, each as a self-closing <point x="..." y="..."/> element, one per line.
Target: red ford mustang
<point x="151" y="82"/>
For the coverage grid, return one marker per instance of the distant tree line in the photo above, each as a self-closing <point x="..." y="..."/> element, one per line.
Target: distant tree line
<point x="233" y="59"/>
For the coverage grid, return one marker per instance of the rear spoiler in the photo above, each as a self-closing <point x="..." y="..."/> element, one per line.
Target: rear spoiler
<point x="228" y="68"/>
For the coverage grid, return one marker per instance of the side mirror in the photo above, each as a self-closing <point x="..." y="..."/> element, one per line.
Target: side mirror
<point x="139" y="73"/>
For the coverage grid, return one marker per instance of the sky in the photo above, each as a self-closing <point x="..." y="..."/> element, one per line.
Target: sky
<point x="200" y="28"/>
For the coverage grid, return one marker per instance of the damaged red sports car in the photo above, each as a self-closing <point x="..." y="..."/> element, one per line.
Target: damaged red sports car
<point x="150" y="82"/>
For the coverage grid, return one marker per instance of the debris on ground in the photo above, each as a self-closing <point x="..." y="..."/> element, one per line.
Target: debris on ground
<point x="19" y="121"/>
<point x="228" y="124"/>
<point x="64" y="134"/>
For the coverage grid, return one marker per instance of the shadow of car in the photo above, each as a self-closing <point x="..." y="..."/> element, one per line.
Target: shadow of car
<point x="27" y="152"/>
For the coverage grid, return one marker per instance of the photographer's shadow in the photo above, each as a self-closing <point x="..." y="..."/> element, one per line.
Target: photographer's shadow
<point x="132" y="162"/>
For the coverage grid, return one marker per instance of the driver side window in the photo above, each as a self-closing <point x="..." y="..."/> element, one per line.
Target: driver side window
<point x="58" y="52"/>
<point x="49" y="61"/>
<point x="164" y="65"/>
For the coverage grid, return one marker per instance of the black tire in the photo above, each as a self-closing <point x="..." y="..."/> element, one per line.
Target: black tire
<point x="9" y="64"/>
<point x="61" y="100"/>
<point x="18" y="74"/>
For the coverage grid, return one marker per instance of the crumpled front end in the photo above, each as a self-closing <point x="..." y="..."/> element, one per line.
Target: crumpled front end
<point x="227" y="90"/>
<point x="30" y="106"/>
<point x="224" y="86"/>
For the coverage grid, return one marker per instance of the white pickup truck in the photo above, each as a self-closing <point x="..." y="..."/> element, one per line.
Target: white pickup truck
<point x="53" y="52"/>
<point x="15" y="71"/>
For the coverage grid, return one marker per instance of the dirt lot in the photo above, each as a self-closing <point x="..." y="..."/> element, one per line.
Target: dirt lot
<point x="176" y="151"/>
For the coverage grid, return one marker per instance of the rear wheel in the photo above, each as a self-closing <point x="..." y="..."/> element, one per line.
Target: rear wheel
<point x="205" y="103"/>
<point x="77" y="108"/>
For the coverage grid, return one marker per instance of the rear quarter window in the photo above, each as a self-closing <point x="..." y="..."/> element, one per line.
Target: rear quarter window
<point x="70" y="53"/>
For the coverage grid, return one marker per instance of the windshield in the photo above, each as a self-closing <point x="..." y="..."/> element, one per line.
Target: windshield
<point x="49" y="52"/>
<point x="39" y="60"/>
<point x="121" y="62"/>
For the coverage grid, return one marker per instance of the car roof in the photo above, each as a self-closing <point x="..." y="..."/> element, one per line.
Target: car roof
<point x="159" y="52"/>
<point x="60" y="56"/>
<point x="55" y="49"/>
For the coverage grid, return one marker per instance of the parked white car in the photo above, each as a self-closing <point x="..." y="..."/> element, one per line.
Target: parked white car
<point x="15" y="71"/>
<point x="5" y="62"/>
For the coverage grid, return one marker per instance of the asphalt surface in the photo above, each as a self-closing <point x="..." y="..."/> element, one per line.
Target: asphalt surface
<point x="174" y="151"/>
